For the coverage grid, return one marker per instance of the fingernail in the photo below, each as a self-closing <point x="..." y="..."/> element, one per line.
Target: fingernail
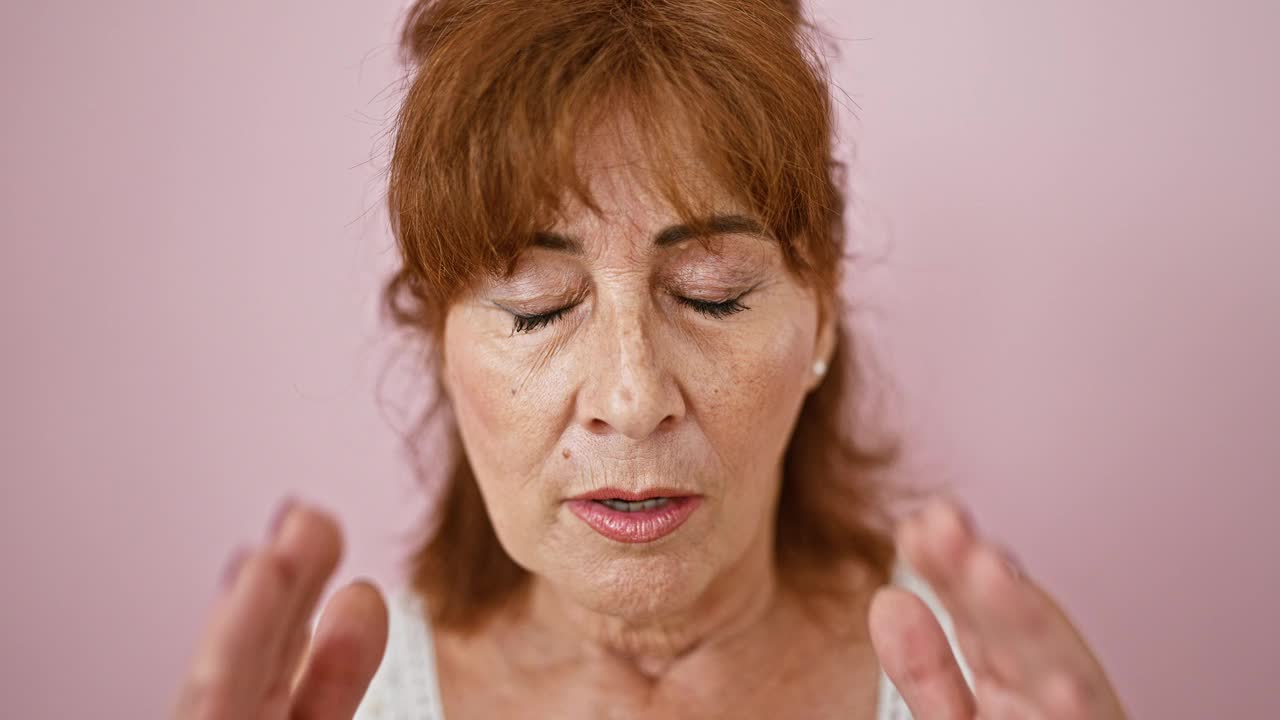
<point x="232" y="568"/>
<point x="281" y="512"/>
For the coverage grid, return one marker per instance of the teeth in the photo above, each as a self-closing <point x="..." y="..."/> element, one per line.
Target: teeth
<point x="624" y="506"/>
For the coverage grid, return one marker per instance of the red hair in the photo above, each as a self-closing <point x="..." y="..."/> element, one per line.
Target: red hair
<point x="483" y="154"/>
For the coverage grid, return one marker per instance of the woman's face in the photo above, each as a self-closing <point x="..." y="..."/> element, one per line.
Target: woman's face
<point x="621" y="356"/>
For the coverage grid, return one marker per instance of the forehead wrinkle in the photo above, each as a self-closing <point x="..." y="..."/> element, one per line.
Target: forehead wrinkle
<point x="620" y="171"/>
<point x="626" y="181"/>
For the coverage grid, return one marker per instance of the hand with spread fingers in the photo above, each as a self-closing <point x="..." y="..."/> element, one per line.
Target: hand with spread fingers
<point x="257" y="658"/>
<point x="1027" y="660"/>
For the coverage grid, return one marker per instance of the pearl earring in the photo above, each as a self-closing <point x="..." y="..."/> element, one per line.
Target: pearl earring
<point x="819" y="368"/>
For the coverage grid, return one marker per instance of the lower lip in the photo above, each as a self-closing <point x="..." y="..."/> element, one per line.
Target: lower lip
<point x="636" y="527"/>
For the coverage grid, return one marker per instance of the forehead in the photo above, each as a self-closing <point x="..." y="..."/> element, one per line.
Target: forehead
<point x="634" y="182"/>
<point x="642" y="175"/>
<point x="643" y="200"/>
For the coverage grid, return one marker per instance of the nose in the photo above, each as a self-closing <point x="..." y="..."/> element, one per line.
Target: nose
<point x="630" y="388"/>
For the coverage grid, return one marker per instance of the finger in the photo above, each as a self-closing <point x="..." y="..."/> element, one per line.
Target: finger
<point x="346" y="650"/>
<point x="235" y="652"/>
<point x="312" y="541"/>
<point x="280" y="698"/>
<point x="1021" y="623"/>
<point x="1000" y="619"/>
<point x="934" y="543"/>
<point x="303" y="652"/>
<point x="1020" y="626"/>
<point x="915" y="654"/>
<point x="997" y="702"/>
<point x="1016" y="632"/>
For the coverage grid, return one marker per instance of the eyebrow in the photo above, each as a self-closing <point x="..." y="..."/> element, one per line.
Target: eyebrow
<point x="670" y="235"/>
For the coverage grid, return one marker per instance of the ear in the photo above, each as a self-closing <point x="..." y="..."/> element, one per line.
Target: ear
<point x="824" y="345"/>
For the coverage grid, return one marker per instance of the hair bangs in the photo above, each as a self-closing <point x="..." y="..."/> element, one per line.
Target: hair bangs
<point x="491" y="136"/>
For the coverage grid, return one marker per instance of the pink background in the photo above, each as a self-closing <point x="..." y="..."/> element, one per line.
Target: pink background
<point x="1079" y="301"/>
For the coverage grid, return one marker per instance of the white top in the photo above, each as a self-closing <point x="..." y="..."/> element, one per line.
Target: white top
<point x="405" y="686"/>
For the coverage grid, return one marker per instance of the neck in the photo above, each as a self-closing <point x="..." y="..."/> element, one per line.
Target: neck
<point x="743" y="597"/>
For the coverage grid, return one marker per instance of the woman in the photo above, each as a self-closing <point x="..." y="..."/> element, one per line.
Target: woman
<point x="621" y="235"/>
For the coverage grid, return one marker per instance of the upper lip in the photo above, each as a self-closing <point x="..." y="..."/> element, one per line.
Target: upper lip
<point x="630" y="496"/>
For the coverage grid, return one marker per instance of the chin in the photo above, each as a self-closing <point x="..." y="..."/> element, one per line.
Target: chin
<point x="638" y="588"/>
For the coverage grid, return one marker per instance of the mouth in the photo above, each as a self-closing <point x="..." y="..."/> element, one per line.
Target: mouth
<point x="630" y="517"/>
<point x="627" y="506"/>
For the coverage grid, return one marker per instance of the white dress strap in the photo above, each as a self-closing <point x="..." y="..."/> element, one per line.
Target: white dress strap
<point x="405" y="686"/>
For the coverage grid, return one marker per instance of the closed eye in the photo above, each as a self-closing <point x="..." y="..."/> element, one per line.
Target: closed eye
<point x="529" y="323"/>
<point x="715" y="309"/>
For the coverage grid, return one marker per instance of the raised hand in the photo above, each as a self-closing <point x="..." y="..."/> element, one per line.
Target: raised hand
<point x="257" y="660"/>
<point x="1027" y="659"/>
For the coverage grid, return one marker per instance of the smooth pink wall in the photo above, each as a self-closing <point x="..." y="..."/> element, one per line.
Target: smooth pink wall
<point x="1079" y="301"/>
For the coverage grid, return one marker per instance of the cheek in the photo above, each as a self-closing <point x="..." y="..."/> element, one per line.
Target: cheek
<point x="498" y="409"/>
<point x="751" y="395"/>
<point x="488" y="415"/>
<point x="476" y="395"/>
<point x="505" y="418"/>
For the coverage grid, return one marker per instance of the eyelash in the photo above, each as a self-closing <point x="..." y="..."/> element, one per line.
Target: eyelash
<point x="529" y="323"/>
<point x="714" y="309"/>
